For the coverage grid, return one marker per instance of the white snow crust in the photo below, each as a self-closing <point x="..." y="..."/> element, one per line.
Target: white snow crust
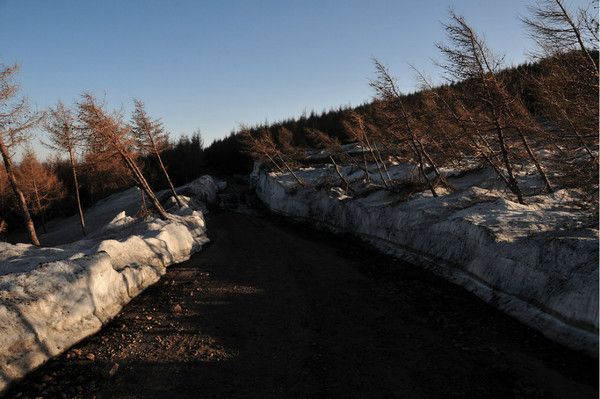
<point x="536" y="262"/>
<point x="53" y="297"/>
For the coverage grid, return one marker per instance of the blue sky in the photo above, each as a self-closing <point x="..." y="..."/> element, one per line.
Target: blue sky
<point x="212" y="65"/>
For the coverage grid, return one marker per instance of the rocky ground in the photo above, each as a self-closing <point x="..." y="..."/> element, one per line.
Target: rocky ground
<point x="272" y="309"/>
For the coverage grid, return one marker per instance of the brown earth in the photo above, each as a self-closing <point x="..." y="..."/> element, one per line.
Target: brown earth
<point x="272" y="309"/>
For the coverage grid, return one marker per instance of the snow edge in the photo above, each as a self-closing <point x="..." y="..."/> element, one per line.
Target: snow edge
<point x="552" y="324"/>
<point x="46" y="310"/>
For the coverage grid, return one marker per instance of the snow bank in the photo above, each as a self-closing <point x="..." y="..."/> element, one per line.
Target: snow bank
<point x="51" y="298"/>
<point x="536" y="262"/>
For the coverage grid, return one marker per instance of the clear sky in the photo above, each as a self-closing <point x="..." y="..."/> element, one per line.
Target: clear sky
<point x="214" y="64"/>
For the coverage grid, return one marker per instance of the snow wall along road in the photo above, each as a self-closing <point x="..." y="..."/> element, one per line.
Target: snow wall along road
<point x="516" y="257"/>
<point x="53" y="297"/>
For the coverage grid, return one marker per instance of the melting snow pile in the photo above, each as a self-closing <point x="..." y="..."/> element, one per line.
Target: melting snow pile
<point x="537" y="262"/>
<point x="53" y="297"/>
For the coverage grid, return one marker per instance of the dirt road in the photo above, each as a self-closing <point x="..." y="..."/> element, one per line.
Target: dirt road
<point x="270" y="309"/>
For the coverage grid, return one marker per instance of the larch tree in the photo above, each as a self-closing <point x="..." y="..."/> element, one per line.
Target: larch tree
<point x="557" y="30"/>
<point x="288" y="152"/>
<point x="284" y="151"/>
<point x="107" y="133"/>
<point x="469" y="59"/>
<point x="66" y="138"/>
<point x="264" y="147"/>
<point x="403" y="122"/>
<point x="15" y="120"/>
<point x="459" y="125"/>
<point x="567" y="87"/>
<point x="367" y="134"/>
<point x="40" y="185"/>
<point x="334" y="150"/>
<point x="152" y="138"/>
<point x="258" y="147"/>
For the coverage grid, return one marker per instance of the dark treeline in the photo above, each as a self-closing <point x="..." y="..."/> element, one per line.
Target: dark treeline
<point x="227" y="155"/>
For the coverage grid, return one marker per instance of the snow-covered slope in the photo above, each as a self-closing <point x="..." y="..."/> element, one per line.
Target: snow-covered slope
<point x="53" y="297"/>
<point x="536" y="262"/>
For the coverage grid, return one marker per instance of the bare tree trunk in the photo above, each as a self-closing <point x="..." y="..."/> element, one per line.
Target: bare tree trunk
<point x="486" y="157"/>
<point x="340" y="175"/>
<point x="419" y="150"/>
<point x="38" y="203"/>
<point x="430" y="160"/>
<point x="465" y="130"/>
<point x="379" y="165"/>
<point x="379" y="169"/>
<point x="536" y="162"/>
<point x="143" y="200"/>
<point x="493" y="165"/>
<point x="163" y="169"/>
<point x="171" y="187"/>
<point x="385" y="168"/>
<point x="489" y="159"/>
<point x="585" y="146"/>
<point x="19" y="194"/>
<point x="577" y="32"/>
<point x="581" y="141"/>
<point x="144" y="185"/>
<point x="477" y="50"/>
<point x="422" y="168"/>
<point x="370" y="147"/>
<point x="274" y="163"/>
<point x="155" y="202"/>
<point x="419" y="156"/>
<point x="366" y="167"/>
<point x="291" y="171"/>
<point x="513" y="185"/>
<point x="76" y="183"/>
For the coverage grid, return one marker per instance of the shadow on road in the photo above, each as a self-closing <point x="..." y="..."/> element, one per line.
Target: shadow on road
<point x="272" y="309"/>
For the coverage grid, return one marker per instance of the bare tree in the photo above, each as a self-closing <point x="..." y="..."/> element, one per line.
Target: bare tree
<point x="556" y="30"/>
<point x="15" y="120"/>
<point x="387" y="90"/>
<point x="470" y="60"/>
<point x="287" y="152"/>
<point x="368" y="135"/>
<point x="357" y="134"/>
<point x="152" y="138"/>
<point x="263" y="147"/>
<point x="334" y="149"/>
<point x="108" y="133"/>
<point x="259" y="148"/>
<point x="567" y="87"/>
<point x="65" y="137"/>
<point x="454" y="113"/>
